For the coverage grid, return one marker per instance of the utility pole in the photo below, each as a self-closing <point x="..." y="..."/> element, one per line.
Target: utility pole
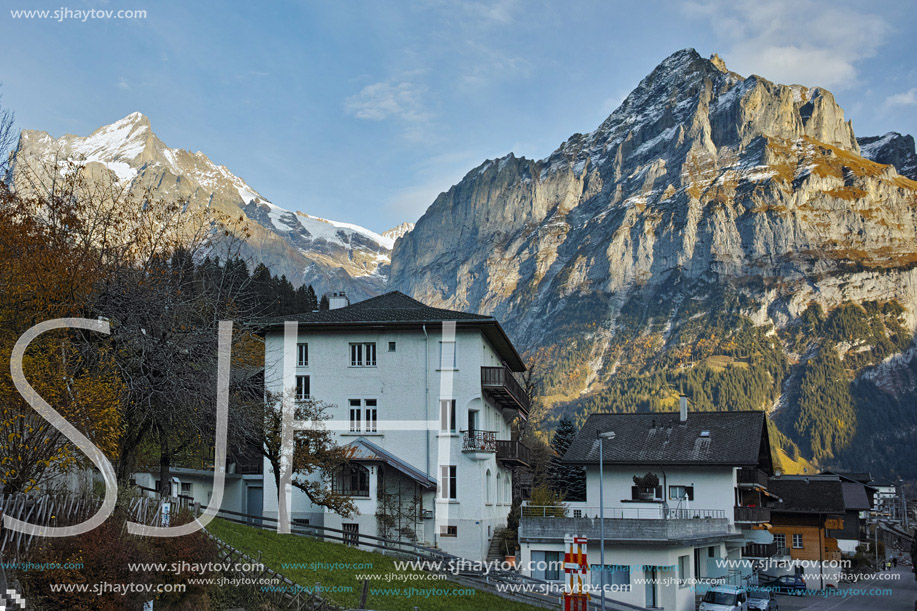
<point x="602" y="437"/>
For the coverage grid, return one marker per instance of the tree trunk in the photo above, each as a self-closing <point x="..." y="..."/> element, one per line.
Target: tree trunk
<point x="165" y="466"/>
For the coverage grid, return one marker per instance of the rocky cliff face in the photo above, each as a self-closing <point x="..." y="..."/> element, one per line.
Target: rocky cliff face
<point x="127" y="154"/>
<point x="704" y="187"/>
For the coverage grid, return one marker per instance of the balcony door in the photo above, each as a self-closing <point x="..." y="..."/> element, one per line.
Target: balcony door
<point x="650" y="575"/>
<point x="472" y="421"/>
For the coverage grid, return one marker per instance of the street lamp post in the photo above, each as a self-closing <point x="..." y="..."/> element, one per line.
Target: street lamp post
<point x="602" y="437"/>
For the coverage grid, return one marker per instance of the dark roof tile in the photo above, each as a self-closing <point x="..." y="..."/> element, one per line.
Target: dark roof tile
<point x="732" y="438"/>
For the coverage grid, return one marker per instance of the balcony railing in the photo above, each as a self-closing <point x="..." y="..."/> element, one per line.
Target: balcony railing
<point x="513" y="452"/>
<point x="546" y="523"/>
<point x="751" y="477"/>
<point x="752" y="515"/>
<point x="501" y="386"/>
<point x="479" y="441"/>
<point x="620" y="513"/>
<point x="763" y="550"/>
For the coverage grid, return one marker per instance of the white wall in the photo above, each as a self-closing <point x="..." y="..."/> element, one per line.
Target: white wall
<point x="406" y="384"/>
<point x="234" y="489"/>
<point x="673" y="597"/>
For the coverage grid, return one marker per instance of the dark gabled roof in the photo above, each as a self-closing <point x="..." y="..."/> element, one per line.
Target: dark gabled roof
<point x="733" y="438"/>
<point x="365" y="450"/>
<point x="390" y="307"/>
<point x="397" y="310"/>
<point x="808" y="494"/>
<point x="864" y="477"/>
<point x="855" y="496"/>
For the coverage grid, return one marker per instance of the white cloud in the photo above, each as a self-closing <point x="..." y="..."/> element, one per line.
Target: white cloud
<point x="905" y="98"/>
<point x="123" y="84"/>
<point x="792" y="42"/>
<point x="389" y="99"/>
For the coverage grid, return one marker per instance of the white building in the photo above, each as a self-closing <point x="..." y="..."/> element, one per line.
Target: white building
<point x="426" y="398"/>
<point x="702" y="522"/>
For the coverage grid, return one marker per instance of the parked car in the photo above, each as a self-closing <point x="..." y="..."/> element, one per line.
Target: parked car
<point x="762" y="600"/>
<point x="725" y="598"/>
<point x="787" y="584"/>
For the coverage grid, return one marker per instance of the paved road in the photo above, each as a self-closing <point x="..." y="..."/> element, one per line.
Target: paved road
<point x="904" y="593"/>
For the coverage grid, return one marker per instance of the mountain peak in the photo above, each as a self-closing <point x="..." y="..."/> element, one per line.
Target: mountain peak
<point x="396" y="232"/>
<point x="717" y="61"/>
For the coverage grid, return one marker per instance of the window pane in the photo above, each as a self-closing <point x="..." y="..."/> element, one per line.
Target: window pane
<point x="302" y="355"/>
<point x="447" y="415"/>
<point x="371" y="416"/>
<point x="354" y="415"/>
<point x="447" y="355"/>
<point x="370" y="355"/>
<point x="303" y="389"/>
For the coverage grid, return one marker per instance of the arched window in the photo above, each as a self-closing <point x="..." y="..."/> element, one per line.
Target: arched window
<point x="352" y="480"/>
<point x="499" y="488"/>
<point x="487" y="495"/>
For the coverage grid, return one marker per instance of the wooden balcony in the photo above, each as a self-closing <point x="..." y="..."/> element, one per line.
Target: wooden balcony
<point x="501" y="386"/>
<point x="752" y="515"/>
<point x="763" y="550"/>
<point x="751" y="478"/>
<point x="513" y="453"/>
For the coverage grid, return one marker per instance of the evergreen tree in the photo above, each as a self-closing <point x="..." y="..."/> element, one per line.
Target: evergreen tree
<point x="323" y="304"/>
<point x="562" y="478"/>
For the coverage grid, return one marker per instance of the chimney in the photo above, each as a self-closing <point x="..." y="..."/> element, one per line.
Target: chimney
<point x="683" y="409"/>
<point x="338" y="300"/>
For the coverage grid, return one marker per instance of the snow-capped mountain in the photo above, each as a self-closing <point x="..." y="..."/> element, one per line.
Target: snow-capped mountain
<point x="396" y="232"/>
<point x="330" y="255"/>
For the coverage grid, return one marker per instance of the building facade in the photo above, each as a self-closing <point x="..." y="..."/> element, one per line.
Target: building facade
<point x="426" y="399"/>
<point x="683" y="499"/>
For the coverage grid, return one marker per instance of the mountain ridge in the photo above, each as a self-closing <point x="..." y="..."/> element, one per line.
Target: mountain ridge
<point x="330" y="255"/>
<point x="707" y="206"/>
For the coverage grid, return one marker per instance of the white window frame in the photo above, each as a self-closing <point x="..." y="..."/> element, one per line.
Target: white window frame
<point x="371" y="415"/>
<point x="800" y="539"/>
<point x="362" y="354"/>
<point x="356" y="412"/>
<point x="302" y="354"/>
<point x="300" y="396"/>
<point x="448" y="482"/>
<point x="444" y="356"/>
<point x="447" y="416"/>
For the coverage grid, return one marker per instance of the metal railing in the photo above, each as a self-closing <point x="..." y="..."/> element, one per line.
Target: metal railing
<point x="479" y="441"/>
<point x="620" y="513"/>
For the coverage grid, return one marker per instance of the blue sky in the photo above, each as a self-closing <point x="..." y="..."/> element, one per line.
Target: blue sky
<point x="363" y="111"/>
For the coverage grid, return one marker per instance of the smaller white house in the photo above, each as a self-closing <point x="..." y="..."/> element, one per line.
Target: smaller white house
<point x="683" y="503"/>
<point x="242" y="492"/>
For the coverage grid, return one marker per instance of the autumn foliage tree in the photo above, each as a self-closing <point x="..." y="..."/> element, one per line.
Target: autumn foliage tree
<point x="46" y="275"/>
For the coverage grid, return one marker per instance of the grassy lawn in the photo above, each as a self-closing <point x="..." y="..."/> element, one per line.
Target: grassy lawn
<point x="291" y="555"/>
